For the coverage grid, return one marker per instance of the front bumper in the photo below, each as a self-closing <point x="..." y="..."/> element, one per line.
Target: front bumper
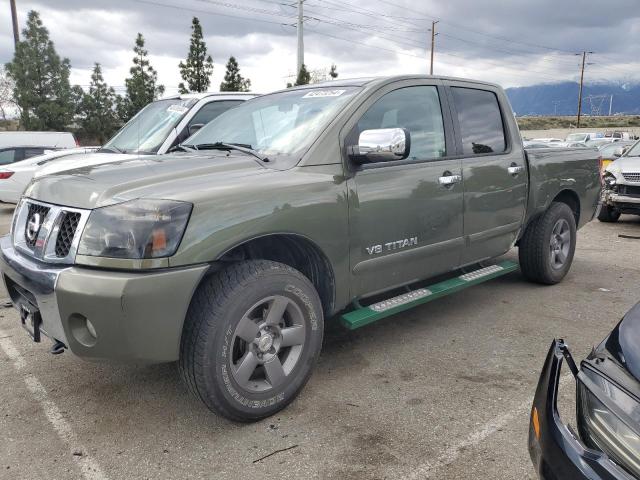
<point x="559" y="454"/>
<point x="137" y="316"/>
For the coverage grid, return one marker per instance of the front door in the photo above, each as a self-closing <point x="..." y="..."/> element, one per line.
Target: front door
<point x="494" y="172"/>
<point x="405" y="216"/>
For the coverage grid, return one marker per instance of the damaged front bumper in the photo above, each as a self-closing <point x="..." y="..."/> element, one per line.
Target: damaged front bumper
<point x="556" y="451"/>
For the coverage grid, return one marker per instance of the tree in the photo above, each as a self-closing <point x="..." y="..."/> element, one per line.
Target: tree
<point x="42" y="90"/>
<point x="142" y="86"/>
<point x="197" y="70"/>
<point x="98" y="108"/>
<point x="233" y="81"/>
<point x="7" y="100"/>
<point x="333" y="73"/>
<point x="304" y="77"/>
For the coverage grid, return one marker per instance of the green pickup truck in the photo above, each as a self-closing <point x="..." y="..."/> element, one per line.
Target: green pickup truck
<point x="338" y="200"/>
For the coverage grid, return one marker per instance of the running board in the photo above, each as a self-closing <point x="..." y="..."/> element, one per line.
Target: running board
<point x="362" y="316"/>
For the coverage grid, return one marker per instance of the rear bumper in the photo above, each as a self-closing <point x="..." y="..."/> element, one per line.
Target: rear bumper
<point x="559" y="454"/>
<point x="137" y="316"/>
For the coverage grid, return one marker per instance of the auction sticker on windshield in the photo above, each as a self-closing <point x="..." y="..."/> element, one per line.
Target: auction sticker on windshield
<point x="177" y="109"/>
<point x="324" y="93"/>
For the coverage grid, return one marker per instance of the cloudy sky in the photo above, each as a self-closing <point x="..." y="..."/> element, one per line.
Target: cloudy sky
<point x="515" y="42"/>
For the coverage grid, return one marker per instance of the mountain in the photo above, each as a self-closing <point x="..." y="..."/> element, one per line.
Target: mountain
<point x="562" y="99"/>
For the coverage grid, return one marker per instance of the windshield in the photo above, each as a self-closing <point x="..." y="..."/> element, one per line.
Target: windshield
<point x="147" y="131"/>
<point x="634" y="151"/>
<point x="280" y="124"/>
<point x="576" y="137"/>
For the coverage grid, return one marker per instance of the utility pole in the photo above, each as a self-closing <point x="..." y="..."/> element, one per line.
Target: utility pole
<point x="433" y="43"/>
<point x="610" y="104"/>
<point x="300" y="37"/>
<point x="584" y="59"/>
<point x="14" y="18"/>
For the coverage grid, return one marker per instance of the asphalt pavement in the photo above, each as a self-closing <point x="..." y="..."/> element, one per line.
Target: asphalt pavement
<point x="441" y="391"/>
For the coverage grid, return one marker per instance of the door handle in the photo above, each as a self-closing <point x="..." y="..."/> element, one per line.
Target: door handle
<point x="449" y="180"/>
<point x="514" y="169"/>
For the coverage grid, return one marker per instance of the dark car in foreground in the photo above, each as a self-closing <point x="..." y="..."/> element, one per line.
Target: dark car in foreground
<point x="607" y="444"/>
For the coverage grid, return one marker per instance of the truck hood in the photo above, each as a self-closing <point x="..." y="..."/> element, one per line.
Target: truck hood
<point x="624" y="164"/>
<point x="180" y="176"/>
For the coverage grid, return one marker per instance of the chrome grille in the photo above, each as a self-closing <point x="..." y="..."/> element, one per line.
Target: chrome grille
<point x="68" y="225"/>
<point x="632" y="177"/>
<point x="57" y="237"/>
<point x="41" y="211"/>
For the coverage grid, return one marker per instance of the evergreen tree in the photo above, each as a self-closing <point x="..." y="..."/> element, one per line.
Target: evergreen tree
<point x="304" y="77"/>
<point x="333" y="73"/>
<point x="42" y="90"/>
<point x="142" y="85"/>
<point x="197" y="69"/>
<point x="233" y="81"/>
<point x="98" y="108"/>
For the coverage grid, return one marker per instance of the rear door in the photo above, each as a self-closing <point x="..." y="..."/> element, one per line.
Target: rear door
<point x="493" y="169"/>
<point x="405" y="225"/>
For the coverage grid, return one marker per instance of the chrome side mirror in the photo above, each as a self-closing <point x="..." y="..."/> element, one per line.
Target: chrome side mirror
<point x="195" y="127"/>
<point x="382" y="145"/>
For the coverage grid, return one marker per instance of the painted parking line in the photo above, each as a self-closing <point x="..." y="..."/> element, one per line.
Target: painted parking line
<point x="454" y="452"/>
<point x="90" y="469"/>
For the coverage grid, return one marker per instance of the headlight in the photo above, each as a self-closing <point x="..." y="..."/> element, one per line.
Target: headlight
<point x="609" y="179"/>
<point x="615" y="430"/>
<point x="136" y="229"/>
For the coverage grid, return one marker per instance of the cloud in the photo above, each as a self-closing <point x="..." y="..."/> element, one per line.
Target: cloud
<point x="512" y="43"/>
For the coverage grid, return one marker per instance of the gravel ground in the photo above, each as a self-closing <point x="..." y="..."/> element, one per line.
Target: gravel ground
<point x="442" y="391"/>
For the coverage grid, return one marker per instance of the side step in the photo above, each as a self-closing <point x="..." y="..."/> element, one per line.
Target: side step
<point x="365" y="315"/>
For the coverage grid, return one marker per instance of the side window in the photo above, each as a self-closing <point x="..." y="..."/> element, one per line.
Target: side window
<point x="480" y="121"/>
<point x="32" y="152"/>
<point x="7" y="156"/>
<point x="418" y="110"/>
<point x="211" y="110"/>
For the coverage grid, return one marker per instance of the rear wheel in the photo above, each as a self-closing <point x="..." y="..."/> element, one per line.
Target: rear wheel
<point x="252" y="335"/>
<point x="608" y="214"/>
<point x="547" y="247"/>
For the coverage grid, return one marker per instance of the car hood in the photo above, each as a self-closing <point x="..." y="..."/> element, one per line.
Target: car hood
<point x="624" y="164"/>
<point x="623" y="344"/>
<point x="84" y="160"/>
<point x="182" y="176"/>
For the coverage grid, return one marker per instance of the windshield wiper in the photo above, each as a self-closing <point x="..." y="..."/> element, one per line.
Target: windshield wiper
<point x="111" y="149"/>
<point x="241" y="147"/>
<point x="180" y="147"/>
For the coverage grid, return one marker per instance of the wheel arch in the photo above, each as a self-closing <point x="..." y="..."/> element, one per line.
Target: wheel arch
<point x="572" y="200"/>
<point x="292" y="249"/>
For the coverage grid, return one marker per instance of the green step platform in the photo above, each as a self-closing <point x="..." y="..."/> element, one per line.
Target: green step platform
<point x="362" y="316"/>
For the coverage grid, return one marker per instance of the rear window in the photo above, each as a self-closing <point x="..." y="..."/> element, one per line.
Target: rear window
<point x="480" y="120"/>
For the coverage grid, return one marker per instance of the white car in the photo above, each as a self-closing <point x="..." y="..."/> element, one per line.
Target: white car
<point x="14" y="181"/>
<point x="154" y="130"/>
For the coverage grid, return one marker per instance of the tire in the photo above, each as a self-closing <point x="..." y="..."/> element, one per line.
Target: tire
<point x="544" y="258"/>
<point x="608" y="214"/>
<point x="252" y="336"/>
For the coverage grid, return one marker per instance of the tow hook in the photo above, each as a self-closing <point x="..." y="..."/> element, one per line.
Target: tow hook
<point x="57" y="348"/>
<point x="564" y="349"/>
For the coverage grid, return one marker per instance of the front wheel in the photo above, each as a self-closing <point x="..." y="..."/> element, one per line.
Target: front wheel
<point x="608" y="214"/>
<point x="547" y="247"/>
<point x="252" y="335"/>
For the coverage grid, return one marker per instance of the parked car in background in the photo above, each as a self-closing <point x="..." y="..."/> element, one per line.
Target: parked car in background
<point x="14" y="181"/>
<point x="165" y="123"/>
<point x="598" y="142"/>
<point x="619" y="135"/>
<point x="348" y="197"/>
<point x="612" y="151"/>
<point x="607" y="444"/>
<point x="157" y="128"/>
<point x="582" y="137"/>
<point x="621" y="190"/>
<point x="16" y="146"/>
